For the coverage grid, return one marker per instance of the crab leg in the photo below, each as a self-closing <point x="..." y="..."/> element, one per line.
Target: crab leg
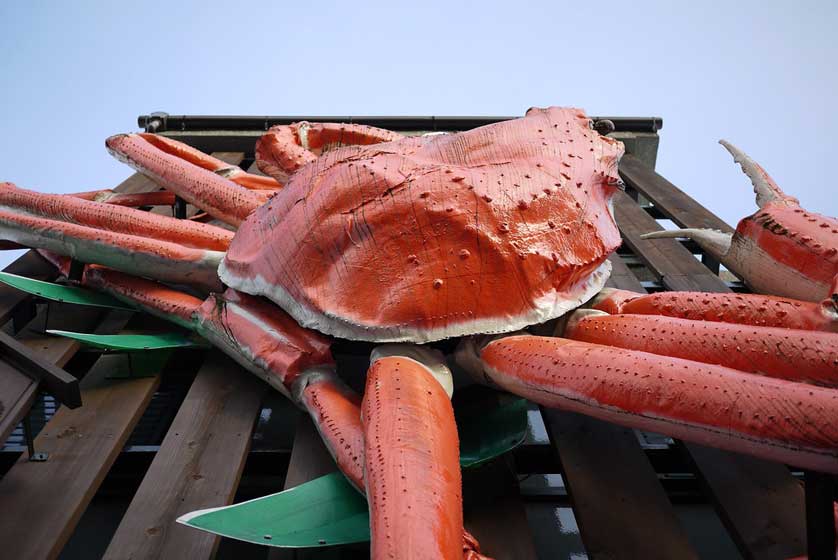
<point x="411" y="468"/>
<point x="210" y="191"/>
<point x="129" y="221"/>
<point x="746" y="309"/>
<point x="292" y="359"/>
<point x="796" y="355"/>
<point x="210" y="163"/>
<point x="122" y="238"/>
<point x="711" y="405"/>
<point x="133" y="200"/>
<point x="285" y="148"/>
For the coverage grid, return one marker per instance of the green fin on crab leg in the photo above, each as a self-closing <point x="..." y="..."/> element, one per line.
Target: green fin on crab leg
<point x="330" y="511"/>
<point x="134" y="342"/>
<point x="61" y="293"/>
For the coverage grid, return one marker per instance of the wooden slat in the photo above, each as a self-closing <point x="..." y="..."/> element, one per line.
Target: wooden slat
<point x="309" y="460"/>
<point x="17" y="393"/>
<point x="43" y="502"/>
<point x="759" y="501"/>
<point x="671" y="200"/>
<point x="30" y="264"/>
<point x="495" y="513"/>
<point x="588" y="450"/>
<point x="61" y="384"/>
<point x="619" y="504"/>
<point x="198" y="465"/>
<point x="667" y="258"/>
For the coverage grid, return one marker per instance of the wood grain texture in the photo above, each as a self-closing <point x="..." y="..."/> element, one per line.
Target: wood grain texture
<point x="760" y="503"/>
<point x="42" y="502"/>
<point x="309" y="460"/>
<point x="17" y="393"/>
<point x="611" y="482"/>
<point x="675" y="203"/>
<point x="198" y="465"/>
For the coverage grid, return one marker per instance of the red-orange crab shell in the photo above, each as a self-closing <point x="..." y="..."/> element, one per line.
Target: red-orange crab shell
<point x="432" y="237"/>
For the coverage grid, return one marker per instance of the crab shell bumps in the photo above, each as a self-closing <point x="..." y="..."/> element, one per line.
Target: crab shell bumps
<point x="427" y="238"/>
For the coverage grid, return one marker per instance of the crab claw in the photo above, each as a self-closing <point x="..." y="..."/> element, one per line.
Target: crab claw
<point x="707" y="404"/>
<point x="765" y="189"/>
<point x="781" y="249"/>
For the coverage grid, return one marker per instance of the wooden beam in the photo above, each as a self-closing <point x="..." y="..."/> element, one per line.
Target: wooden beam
<point x="61" y="384"/>
<point x="619" y="504"/>
<point x="666" y="258"/>
<point x="309" y="460"/>
<point x="198" y="465"/>
<point x="759" y="502"/>
<point x="495" y="514"/>
<point x="669" y="199"/>
<point x="17" y="393"/>
<point x="588" y="450"/>
<point x="44" y="501"/>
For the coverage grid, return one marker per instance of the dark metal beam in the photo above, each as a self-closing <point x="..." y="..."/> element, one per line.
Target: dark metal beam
<point x="162" y="122"/>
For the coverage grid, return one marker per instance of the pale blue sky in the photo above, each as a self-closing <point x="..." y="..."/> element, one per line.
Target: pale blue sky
<point x="761" y="74"/>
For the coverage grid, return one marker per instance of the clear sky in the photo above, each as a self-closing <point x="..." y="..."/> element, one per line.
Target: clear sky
<point x="761" y="74"/>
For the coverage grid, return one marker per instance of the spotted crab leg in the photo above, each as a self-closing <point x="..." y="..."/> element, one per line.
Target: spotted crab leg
<point x="781" y="249"/>
<point x="796" y="355"/>
<point x="285" y="148"/>
<point x="712" y="405"/>
<point x="122" y="238"/>
<point x="188" y="177"/>
<point x="205" y="161"/>
<point x="411" y="469"/>
<point x="133" y="200"/>
<point x="297" y="362"/>
<point x="746" y="309"/>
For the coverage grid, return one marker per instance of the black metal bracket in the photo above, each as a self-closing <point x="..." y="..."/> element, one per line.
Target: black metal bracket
<point x="36" y="457"/>
<point x="155" y="122"/>
<point x="76" y="271"/>
<point x="180" y="208"/>
<point x="820" y="516"/>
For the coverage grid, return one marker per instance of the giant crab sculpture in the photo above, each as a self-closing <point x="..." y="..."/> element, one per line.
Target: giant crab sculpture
<point x="365" y="234"/>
